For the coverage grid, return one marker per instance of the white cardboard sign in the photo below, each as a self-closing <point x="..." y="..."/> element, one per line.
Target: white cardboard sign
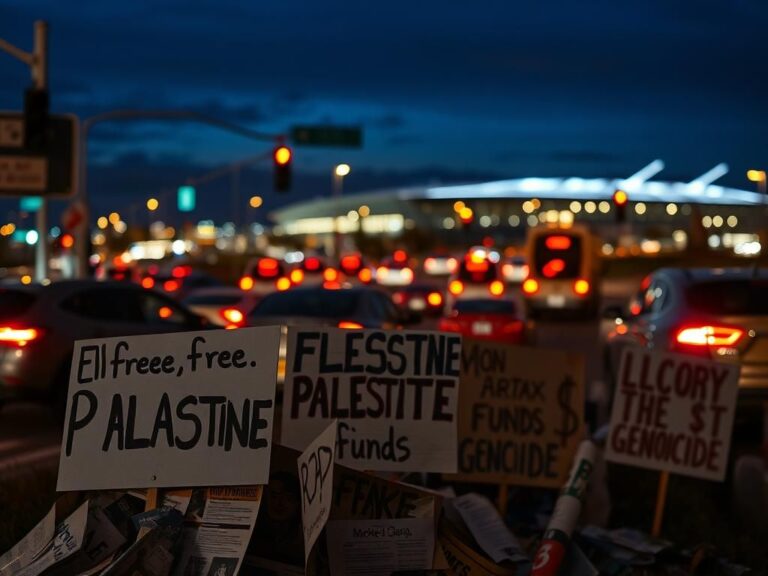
<point x="316" y="478"/>
<point x="394" y="394"/>
<point x="184" y="409"/>
<point x="673" y="412"/>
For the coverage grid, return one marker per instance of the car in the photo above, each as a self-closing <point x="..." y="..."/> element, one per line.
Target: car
<point x="486" y="319"/>
<point x="716" y="313"/>
<point x="40" y="324"/>
<point x="395" y="270"/>
<point x="515" y="269"/>
<point x="563" y="274"/>
<point x="354" y="268"/>
<point x="264" y="275"/>
<point x="356" y="307"/>
<point x="222" y="306"/>
<point x="313" y="270"/>
<point x="425" y="299"/>
<point x="477" y="276"/>
<point x="440" y="265"/>
<point x="179" y="281"/>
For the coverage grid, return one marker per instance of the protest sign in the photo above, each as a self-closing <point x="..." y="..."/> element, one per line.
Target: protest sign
<point x="394" y="394"/>
<point x="673" y="413"/>
<point x="315" y="467"/>
<point x="521" y="414"/>
<point x="380" y="547"/>
<point x="146" y="411"/>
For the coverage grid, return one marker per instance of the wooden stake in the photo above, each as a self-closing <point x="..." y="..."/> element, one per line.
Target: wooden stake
<point x="661" y="501"/>
<point x="152" y="499"/>
<point x="503" y="499"/>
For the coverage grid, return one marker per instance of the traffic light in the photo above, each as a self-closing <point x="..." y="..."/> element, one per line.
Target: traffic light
<point x="620" y="201"/>
<point x="35" y="119"/>
<point x="282" y="157"/>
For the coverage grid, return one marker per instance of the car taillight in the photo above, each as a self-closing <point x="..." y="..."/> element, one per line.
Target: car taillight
<point x="435" y="299"/>
<point x="553" y="267"/>
<point x="297" y="276"/>
<point x="232" y="315"/>
<point x="581" y="287"/>
<point x="456" y="287"/>
<point x="530" y="286"/>
<point x="171" y="285"/>
<point x="449" y="325"/>
<point x="334" y="285"/>
<point x="365" y="275"/>
<point x="709" y="335"/>
<point x="181" y="271"/>
<point x="18" y="336"/>
<point x="147" y="282"/>
<point x="268" y="267"/>
<point x="398" y="298"/>
<point x="164" y="312"/>
<point x="512" y="327"/>
<point x="246" y="283"/>
<point x="330" y="275"/>
<point x="496" y="288"/>
<point x="349" y="325"/>
<point x="312" y="264"/>
<point x="557" y="242"/>
<point x="282" y="284"/>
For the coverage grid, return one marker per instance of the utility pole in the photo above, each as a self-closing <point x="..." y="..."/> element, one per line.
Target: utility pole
<point x="37" y="60"/>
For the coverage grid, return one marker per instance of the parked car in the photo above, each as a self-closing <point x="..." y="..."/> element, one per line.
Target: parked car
<point x="715" y="313"/>
<point x="179" y="281"/>
<point x="358" y="307"/>
<point x="486" y="319"/>
<point x="221" y="306"/>
<point x="40" y="324"/>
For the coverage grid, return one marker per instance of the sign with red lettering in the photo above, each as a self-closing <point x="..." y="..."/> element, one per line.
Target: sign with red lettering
<point x="673" y="412"/>
<point x="394" y="394"/>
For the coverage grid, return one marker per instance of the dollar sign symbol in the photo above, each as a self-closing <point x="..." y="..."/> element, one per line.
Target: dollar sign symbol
<point x="570" y="420"/>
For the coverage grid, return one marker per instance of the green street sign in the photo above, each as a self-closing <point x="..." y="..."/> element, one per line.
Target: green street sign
<point x="338" y="136"/>
<point x="185" y="200"/>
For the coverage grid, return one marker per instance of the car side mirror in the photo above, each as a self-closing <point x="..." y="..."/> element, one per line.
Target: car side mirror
<point x="613" y="312"/>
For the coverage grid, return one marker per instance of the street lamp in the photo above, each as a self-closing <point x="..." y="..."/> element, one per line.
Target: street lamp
<point x="758" y="176"/>
<point x="256" y="201"/>
<point x="152" y="204"/>
<point x="339" y="172"/>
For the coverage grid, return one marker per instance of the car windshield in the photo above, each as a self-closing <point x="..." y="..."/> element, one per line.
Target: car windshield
<point x="213" y="300"/>
<point x="484" y="306"/>
<point x="313" y="304"/>
<point x="15" y="302"/>
<point x="729" y="297"/>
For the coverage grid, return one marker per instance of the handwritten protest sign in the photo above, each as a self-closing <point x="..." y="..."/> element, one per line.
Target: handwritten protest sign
<point x="187" y="409"/>
<point x="521" y="414"/>
<point x="315" y="467"/>
<point x="394" y="394"/>
<point x="673" y="413"/>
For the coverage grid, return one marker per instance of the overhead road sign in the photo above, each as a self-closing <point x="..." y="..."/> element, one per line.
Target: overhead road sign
<point x="338" y="136"/>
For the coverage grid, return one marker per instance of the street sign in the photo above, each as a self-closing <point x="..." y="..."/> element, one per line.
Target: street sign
<point x="27" y="173"/>
<point x="339" y="136"/>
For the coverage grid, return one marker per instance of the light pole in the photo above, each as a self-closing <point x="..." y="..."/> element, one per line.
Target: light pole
<point x="339" y="172"/>
<point x="758" y="176"/>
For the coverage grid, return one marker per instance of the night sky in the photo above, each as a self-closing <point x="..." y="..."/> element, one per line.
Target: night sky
<point x="446" y="91"/>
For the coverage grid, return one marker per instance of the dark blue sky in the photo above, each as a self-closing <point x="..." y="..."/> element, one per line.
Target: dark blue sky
<point x="445" y="90"/>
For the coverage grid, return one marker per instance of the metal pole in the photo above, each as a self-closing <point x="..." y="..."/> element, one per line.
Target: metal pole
<point x="40" y="79"/>
<point x="338" y="185"/>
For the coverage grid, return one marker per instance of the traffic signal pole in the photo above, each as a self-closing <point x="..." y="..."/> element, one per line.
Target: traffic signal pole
<point x="37" y="60"/>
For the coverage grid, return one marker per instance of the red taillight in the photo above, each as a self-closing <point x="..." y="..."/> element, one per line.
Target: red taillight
<point x="246" y="283"/>
<point x="512" y="327"/>
<point x="312" y="264"/>
<point x="709" y="335"/>
<point x="581" y="287"/>
<point x="557" y="242"/>
<point x="147" y="282"/>
<point x="350" y="263"/>
<point x="456" y="287"/>
<point x="496" y="288"/>
<point x="435" y="299"/>
<point x="400" y="256"/>
<point x="164" y="312"/>
<point x="553" y="267"/>
<point x="449" y="325"/>
<point x="181" y="271"/>
<point x="232" y="315"/>
<point x="171" y="285"/>
<point x="268" y="267"/>
<point x="365" y="275"/>
<point x="334" y="285"/>
<point x="398" y="298"/>
<point x="531" y="286"/>
<point x="349" y="325"/>
<point x="18" y="336"/>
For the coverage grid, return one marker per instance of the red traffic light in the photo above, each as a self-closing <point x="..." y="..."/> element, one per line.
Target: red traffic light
<point x="282" y="155"/>
<point x="67" y="241"/>
<point x="620" y="198"/>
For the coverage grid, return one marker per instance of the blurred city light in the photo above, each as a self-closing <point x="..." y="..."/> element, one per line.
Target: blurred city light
<point x="364" y="211"/>
<point x="255" y="201"/>
<point x="102" y="222"/>
<point x="31" y="237"/>
<point x="756" y="175"/>
<point x="152" y="204"/>
<point x="114" y="218"/>
<point x="341" y="170"/>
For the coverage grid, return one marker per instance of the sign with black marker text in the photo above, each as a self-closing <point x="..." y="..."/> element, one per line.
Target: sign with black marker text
<point x="673" y="412"/>
<point x="184" y="409"/>
<point x="315" y="467"/>
<point x="394" y="394"/>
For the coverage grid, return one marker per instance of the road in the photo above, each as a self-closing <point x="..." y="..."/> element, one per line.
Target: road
<point x="30" y="435"/>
